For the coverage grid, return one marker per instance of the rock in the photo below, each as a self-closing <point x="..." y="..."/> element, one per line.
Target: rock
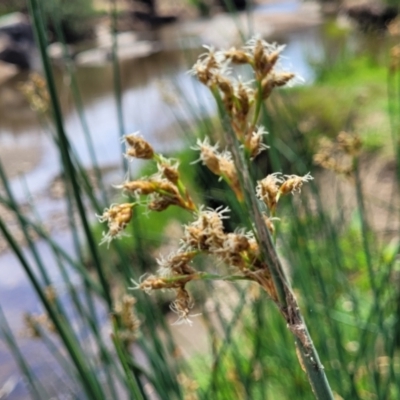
<point x="7" y="71"/>
<point x="153" y="20"/>
<point x="238" y="5"/>
<point x="371" y="16"/>
<point x="16" y="32"/>
<point x="100" y="56"/>
<point x="16" y="55"/>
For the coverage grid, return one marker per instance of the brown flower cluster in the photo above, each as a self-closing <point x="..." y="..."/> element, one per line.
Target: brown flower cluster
<point x="275" y="185"/>
<point x="339" y="155"/>
<point x="35" y="91"/>
<point x="206" y="234"/>
<point x="117" y="217"/>
<point x="162" y="189"/>
<point x="128" y="321"/>
<point x="219" y="163"/>
<point x="242" y="100"/>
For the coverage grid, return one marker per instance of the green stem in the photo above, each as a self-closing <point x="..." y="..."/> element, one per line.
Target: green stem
<point x="64" y="144"/>
<point x="288" y="305"/>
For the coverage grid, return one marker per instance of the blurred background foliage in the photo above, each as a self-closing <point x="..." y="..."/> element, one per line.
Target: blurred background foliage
<point x="340" y="243"/>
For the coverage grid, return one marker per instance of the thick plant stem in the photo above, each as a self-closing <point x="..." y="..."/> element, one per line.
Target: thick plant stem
<point x="287" y="303"/>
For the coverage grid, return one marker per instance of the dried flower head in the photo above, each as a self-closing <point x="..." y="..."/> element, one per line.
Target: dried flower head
<point x="265" y="55"/>
<point x="267" y="189"/>
<point x="244" y="95"/>
<point x="269" y="223"/>
<point x="35" y="91"/>
<point x="207" y="66"/>
<point x="129" y="322"/>
<point x="182" y="306"/>
<point x="139" y="187"/>
<point x="207" y="230"/>
<point x="220" y="163"/>
<point x="117" y="217"/>
<point x="176" y="264"/>
<point x="350" y="143"/>
<point x="237" y="56"/>
<point x="209" y="155"/>
<point x="294" y="183"/>
<point x="274" y="80"/>
<point x="137" y="147"/>
<point x="255" y="143"/>
<point x="168" y="167"/>
<point x="232" y="248"/>
<point x="338" y="156"/>
<point x="36" y="323"/>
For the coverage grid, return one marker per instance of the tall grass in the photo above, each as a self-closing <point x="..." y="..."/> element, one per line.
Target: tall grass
<point x="344" y="274"/>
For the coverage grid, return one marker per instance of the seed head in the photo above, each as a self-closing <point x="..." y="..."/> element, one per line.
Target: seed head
<point x="168" y="167"/>
<point x="153" y="282"/>
<point x="35" y="91"/>
<point x="208" y="155"/>
<point x="255" y="144"/>
<point x="294" y="183"/>
<point x="124" y="311"/>
<point x="160" y="203"/>
<point x="138" y="147"/>
<point x="267" y="189"/>
<point x="117" y="217"/>
<point x="139" y="187"/>
<point x="265" y="56"/>
<point x="182" y="305"/>
<point x="350" y="143"/>
<point x="245" y="96"/>
<point x="176" y="264"/>
<point x="237" y="56"/>
<point x="207" y="231"/>
<point x="275" y="80"/>
<point x="207" y="66"/>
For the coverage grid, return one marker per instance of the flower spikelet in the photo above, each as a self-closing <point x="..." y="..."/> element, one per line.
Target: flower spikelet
<point x="265" y="55"/>
<point x="268" y="188"/>
<point x="35" y="91"/>
<point x="275" y="80"/>
<point x="219" y="163"/>
<point x="166" y="194"/>
<point x="117" y="217"/>
<point x="168" y="167"/>
<point x="232" y="248"/>
<point x="237" y="56"/>
<point x="182" y="305"/>
<point x="207" y="231"/>
<point x="137" y="147"/>
<point x="176" y="264"/>
<point x="294" y="183"/>
<point x="129" y="322"/>
<point x="207" y="66"/>
<point x="255" y="143"/>
<point x="350" y="143"/>
<point x="244" y="94"/>
<point x="228" y="171"/>
<point x="208" y="155"/>
<point x="143" y="186"/>
<point x="153" y="282"/>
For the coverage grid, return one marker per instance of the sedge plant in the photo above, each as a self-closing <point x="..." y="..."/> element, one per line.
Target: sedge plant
<point x="249" y="251"/>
